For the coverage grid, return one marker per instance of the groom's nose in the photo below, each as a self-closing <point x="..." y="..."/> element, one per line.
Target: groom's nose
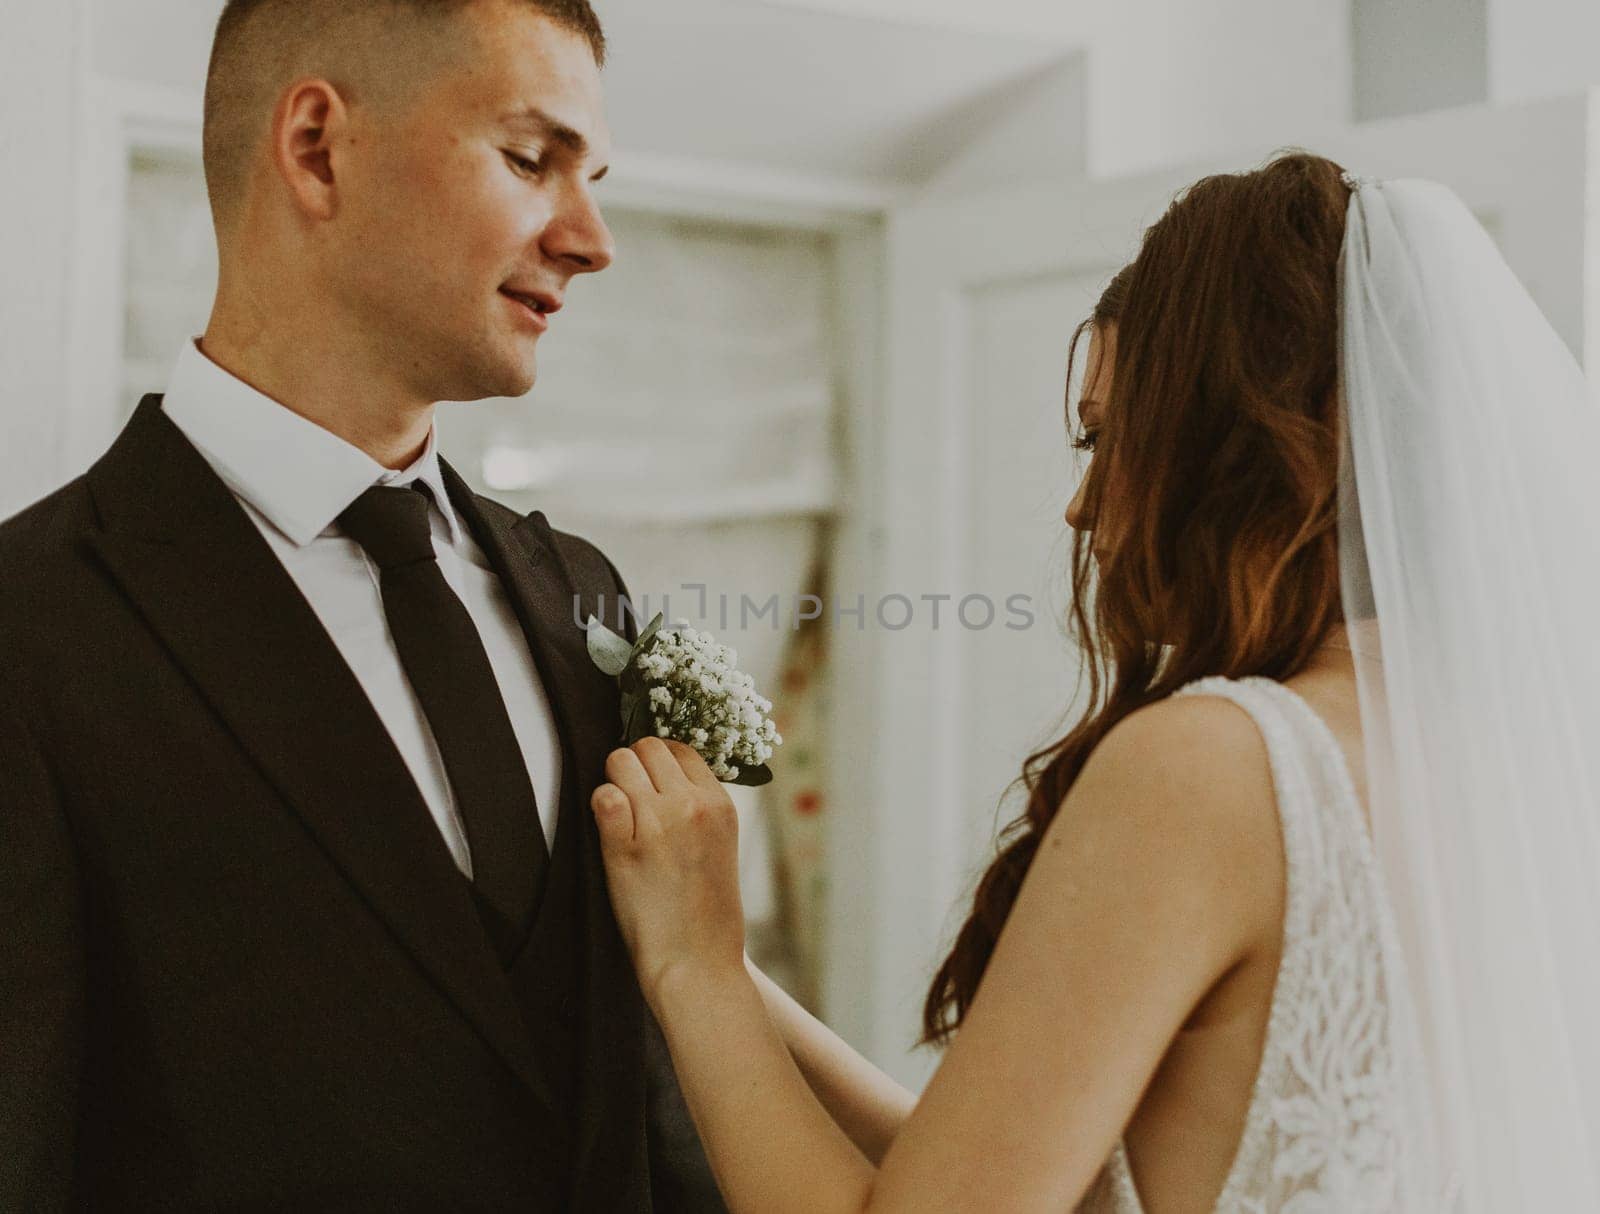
<point x="577" y="236"/>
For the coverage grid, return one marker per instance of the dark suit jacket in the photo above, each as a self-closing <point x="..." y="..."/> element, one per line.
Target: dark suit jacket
<point x="238" y="969"/>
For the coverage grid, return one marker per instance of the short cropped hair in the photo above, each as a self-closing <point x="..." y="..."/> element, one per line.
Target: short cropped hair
<point x="260" y="45"/>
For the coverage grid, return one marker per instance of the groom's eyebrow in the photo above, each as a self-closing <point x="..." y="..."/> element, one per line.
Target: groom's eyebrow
<point x="536" y="120"/>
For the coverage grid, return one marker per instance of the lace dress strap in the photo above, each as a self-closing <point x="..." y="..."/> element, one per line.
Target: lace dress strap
<point x="1294" y="783"/>
<point x="1324" y="1050"/>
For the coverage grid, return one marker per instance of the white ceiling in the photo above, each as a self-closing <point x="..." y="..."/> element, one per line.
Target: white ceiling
<point x="803" y="90"/>
<point x="1069" y="22"/>
<point x="865" y="101"/>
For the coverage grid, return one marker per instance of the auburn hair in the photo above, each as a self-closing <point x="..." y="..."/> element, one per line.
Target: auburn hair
<point x="1215" y="468"/>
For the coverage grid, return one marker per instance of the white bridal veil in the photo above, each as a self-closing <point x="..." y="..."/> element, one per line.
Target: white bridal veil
<point x="1470" y="540"/>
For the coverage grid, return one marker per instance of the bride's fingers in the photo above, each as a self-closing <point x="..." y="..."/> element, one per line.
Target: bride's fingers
<point x="613" y="814"/>
<point x="693" y="766"/>
<point x="625" y="771"/>
<point x="659" y="762"/>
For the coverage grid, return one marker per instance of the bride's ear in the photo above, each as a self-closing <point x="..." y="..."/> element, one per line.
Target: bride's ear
<point x="309" y="124"/>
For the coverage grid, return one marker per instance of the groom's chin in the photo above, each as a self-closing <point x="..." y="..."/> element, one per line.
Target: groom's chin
<point x="523" y="383"/>
<point x="503" y="386"/>
<point x="513" y="378"/>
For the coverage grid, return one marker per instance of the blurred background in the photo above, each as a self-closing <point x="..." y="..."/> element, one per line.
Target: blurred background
<point x="816" y="407"/>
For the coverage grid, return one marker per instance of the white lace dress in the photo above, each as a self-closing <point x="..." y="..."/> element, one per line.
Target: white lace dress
<point x="1321" y="1135"/>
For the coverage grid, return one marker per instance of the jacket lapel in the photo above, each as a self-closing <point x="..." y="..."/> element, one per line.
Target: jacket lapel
<point x="551" y="597"/>
<point x="542" y="593"/>
<point x="194" y="564"/>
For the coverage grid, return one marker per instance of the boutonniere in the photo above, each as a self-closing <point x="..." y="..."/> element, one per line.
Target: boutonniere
<point x="679" y="683"/>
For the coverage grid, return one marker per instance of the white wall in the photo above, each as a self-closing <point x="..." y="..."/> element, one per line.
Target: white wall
<point x="164" y="42"/>
<point x="39" y="96"/>
<point x="1542" y="48"/>
<point x="1433" y="54"/>
<point x="1419" y="55"/>
<point x="1170" y="81"/>
<point x="1037" y="132"/>
<point x="1173" y="79"/>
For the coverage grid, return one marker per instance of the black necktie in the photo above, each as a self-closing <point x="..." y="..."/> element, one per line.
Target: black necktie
<point x="449" y="670"/>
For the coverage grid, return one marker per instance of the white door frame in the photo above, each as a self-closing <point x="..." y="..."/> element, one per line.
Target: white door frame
<point x="125" y="119"/>
<point x="1525" y="170"/>
<point x="122" y="119"/>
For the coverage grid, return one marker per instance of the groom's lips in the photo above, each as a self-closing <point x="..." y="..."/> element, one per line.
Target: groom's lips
<point x="536" y="307"/>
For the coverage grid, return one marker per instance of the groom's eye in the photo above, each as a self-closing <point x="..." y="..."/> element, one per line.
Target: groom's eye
<point x="522" y="164"/>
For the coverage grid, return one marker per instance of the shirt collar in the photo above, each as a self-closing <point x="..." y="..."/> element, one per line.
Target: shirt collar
<point x="297" y="474"/>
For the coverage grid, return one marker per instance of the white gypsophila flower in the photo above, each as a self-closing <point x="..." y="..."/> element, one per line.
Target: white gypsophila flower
<point x="698" y="696"/>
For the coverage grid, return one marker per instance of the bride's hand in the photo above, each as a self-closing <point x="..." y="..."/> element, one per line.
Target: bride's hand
<point x="670" y="838"/>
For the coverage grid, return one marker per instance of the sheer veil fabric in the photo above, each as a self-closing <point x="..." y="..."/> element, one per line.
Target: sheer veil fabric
<point x="1470" y="552"/>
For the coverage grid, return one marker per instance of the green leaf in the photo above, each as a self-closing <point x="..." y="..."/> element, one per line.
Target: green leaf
<point x="637" y="721"/>
<point x="609" y="651"/>
<point x="647" y="637"/>
<point x="632" y="680"/>
<point x="753" y="777"/>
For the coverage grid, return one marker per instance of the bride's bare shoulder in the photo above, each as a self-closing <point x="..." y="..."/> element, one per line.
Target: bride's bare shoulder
<point x="1192" y="742"/>
<point x="1169" y="832"/>
<point x="1193" y="766"/>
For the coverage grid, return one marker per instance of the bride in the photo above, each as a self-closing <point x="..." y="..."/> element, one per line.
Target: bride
<point x="1302" y="914"/>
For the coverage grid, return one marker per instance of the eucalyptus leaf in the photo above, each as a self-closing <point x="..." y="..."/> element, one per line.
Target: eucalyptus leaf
<point x="753" y="777"/>
<point x="647" y="637"/>
<point x="609" y="651"/>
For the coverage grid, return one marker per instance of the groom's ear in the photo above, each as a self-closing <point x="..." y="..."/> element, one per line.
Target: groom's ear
<point x="310" y="123"/>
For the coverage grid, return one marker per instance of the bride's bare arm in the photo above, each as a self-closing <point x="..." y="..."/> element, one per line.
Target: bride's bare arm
<point x="1133" y="909"/>
<point x="868" y="1106"/>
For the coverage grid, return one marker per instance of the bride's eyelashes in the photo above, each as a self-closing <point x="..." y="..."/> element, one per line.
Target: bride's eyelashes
<point x="1085" y="440"/>
<point x="522" y="164"/>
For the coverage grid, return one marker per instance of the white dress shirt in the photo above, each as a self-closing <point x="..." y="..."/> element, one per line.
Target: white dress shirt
<point x="294" y="479"/>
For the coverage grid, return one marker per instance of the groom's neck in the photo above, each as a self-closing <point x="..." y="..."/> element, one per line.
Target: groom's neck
<point x="312" y="375"/>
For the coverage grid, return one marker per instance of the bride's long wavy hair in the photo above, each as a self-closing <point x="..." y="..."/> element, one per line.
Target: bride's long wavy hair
<point x="1216" y="470"/>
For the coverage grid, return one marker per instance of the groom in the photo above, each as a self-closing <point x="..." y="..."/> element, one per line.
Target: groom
<point x="302" y="905"/>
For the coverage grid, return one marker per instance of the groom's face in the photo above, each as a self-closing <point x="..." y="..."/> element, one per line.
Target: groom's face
<point x="475" y="208"/>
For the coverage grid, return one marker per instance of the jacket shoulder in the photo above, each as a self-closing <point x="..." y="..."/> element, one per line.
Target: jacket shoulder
<point x="51" y="521"/>
<point x="585" y="561"/>
<point x="43" y="567"/>
<point x="41" y="542"/>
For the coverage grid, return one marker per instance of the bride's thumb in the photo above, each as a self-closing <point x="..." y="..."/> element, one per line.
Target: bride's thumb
<point x="614" y="816"/>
